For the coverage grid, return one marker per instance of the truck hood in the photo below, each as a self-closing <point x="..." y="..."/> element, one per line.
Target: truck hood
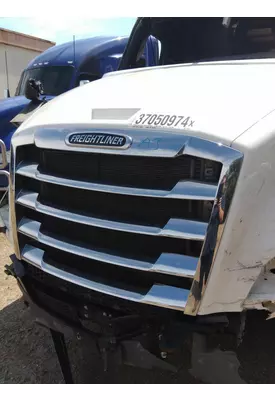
<point x="223" y="98"/>
<point x="8" y="109"/>
<point x="6" y="105"/>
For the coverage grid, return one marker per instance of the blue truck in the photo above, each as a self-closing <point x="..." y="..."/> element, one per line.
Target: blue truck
<point x="64" y="67"/>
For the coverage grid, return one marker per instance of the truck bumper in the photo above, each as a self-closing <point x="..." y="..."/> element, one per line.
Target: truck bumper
<point x="130" y="337"/>
<point x="128" y="351"/>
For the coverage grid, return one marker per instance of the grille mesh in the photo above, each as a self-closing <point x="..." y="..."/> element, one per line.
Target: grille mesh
<point x="153" y="173"/>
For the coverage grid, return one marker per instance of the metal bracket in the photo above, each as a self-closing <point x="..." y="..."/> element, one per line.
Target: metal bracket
<point x="62" y="354"/>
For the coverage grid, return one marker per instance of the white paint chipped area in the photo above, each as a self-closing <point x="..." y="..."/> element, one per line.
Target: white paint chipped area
<point x="247" y="244"/>
<point x="262" y="291"/>
<point x="262" y="294"/>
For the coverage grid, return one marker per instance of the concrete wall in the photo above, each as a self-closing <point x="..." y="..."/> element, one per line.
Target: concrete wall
<point x="17" y="59"/>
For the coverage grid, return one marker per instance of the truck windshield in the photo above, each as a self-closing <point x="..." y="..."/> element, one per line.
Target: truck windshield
<point x="189" y="40"/>
<point x="55" y="80"/>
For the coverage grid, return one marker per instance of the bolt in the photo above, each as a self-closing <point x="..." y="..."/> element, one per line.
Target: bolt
<point x="160" y="337"/>
<point x="78" y="336"/>
<point x="104" y="314"/>
<point x="86" y="315"/>
<point x="86" y="308"/>
<point x="163" y="354"/>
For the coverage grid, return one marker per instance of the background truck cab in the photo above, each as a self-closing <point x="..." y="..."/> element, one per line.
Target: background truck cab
<point x="65" y="67"/>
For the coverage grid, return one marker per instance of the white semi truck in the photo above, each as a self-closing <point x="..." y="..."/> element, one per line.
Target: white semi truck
<point x="149" y="210"/>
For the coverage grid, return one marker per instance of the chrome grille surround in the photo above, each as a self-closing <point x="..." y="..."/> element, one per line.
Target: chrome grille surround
<point x="150" y="143"/>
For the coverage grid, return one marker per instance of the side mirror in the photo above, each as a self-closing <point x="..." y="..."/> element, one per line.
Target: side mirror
<point x="6" y="93"/>
<point x="33" y="90"/>
<point x="84" y="82"/>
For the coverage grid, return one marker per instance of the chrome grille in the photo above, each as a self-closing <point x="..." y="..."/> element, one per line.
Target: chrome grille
<point x="132" y="226"/>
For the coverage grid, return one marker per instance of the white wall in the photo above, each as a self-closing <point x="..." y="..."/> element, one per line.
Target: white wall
<point x="17" y="58"/>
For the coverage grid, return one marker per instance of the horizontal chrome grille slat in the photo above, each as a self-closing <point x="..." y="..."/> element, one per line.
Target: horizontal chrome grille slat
<point x="172" y="264"/>
<point x="185" y="190"/>
<point x="158" y="295"/>
<point x="176" y="228"/>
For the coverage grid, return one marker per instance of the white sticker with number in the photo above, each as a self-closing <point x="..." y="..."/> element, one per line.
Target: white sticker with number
<point x="155" y="120"/>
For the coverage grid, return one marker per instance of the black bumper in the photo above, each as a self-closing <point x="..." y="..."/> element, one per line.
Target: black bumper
<point x="135" y="334"/>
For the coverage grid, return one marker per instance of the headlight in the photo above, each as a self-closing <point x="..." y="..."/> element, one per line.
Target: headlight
<point x="8" y="153"/>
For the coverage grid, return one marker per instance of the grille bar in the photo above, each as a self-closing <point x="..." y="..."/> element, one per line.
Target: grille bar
<point x="167" y="263"/>
<point x="189" y="190"/>
<point x="158" y="295"/>
<point x="177" y="228"/>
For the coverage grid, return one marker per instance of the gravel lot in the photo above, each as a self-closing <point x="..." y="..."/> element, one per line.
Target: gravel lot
<point x="27" y="354"/>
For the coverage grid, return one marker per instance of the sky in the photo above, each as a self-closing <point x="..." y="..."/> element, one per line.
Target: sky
<point x="61" y="30"/>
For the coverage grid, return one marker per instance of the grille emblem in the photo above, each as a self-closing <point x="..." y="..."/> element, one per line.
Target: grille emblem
<point x="106" y="140"/>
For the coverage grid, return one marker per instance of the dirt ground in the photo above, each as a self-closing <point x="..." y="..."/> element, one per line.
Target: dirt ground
<point x="27" y="354"/>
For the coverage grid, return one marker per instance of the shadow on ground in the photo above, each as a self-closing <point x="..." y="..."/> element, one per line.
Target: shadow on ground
<point x="27" y="355"/>
<point x="26" y="351"/>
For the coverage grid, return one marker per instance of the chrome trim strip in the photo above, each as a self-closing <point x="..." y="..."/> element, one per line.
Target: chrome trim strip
<point x="175" y="228"/>
<point x="13" y="222"/>
<point x="28" y="170"/>
<point x="148" y="142"/>
<point x="226" y="189"/>
<point x="171" y="264"/>
<point x="158" y="295"/>
<point x="185" y="190"/>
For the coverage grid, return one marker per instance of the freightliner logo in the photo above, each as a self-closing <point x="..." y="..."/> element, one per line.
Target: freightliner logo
<point x="107" y="140"/>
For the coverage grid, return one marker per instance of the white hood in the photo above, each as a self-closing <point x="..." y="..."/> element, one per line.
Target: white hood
<point x="224" y="98"/>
